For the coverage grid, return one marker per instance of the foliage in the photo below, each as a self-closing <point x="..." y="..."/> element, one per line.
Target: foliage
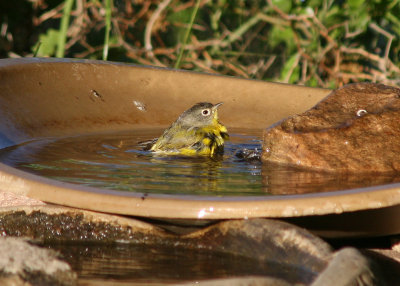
<point x="324" y="43"/>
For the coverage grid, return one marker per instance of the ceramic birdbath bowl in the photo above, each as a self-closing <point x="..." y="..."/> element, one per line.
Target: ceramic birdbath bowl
<point x="63" y="98"/>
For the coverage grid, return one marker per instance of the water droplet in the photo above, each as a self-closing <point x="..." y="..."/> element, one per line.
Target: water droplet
<point x="140" y="105"/>
<point x="361" y="112"/>
<point x="201" y="213"/>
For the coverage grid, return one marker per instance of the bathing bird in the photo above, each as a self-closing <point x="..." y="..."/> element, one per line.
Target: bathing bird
<point x="196" y="132"/>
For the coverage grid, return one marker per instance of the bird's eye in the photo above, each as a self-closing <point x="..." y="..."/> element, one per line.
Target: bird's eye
<point x="205" y="112"/>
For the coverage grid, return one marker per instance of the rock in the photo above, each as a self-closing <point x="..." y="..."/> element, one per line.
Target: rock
<point x="22" y="263"/>
<point x="261" y="251"/>
<point x="396" y="244"/>
<point x="354" y="129"/>
<point x="388" y="262"/>
<point x="349" y="267"/>
<point x="268" y="241"/>
<point x="8" y="199"/>
<point x="279" y="253"/>
<point x="56" y="223"/>
<point x="239" y="281"/>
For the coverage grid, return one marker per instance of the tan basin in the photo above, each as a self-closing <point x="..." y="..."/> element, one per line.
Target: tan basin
<point x="60" y="97"/>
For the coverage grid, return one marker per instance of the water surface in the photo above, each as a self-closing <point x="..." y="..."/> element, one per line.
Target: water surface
<point x="126" y="263"/>
<point x="116" y="161"/>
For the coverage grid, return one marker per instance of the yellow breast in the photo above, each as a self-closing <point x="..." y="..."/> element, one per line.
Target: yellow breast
<point x="203" y="141"/>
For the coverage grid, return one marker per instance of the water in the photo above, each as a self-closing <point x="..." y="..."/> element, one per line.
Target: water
<point x="126" y="263"/>
<point x="115" y="161"/>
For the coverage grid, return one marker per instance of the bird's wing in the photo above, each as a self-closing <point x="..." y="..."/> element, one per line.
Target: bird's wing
<point x="176" y="140"/>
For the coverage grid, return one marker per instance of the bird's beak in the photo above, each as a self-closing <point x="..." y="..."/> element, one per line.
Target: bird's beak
<point x="214" y="110"/>
<point x="217" y="105"/>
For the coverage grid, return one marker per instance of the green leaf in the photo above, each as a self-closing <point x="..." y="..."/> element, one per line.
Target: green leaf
<point x="289" y="67"/>
<point x="114" y="40"/>
<point x="48" y="43"/>
<point x="312" y="82"/>
<point x="181" y="18"/>
<point x="359" y="21"/>
<point x="332" y="84"/>
<point x="283" y="5"/>
<point x="355" y="4"/>
<point x="280" y="35"/>
<point x="313" y="3"/>
<point x="332" y="16"/>
<point x="395" y="22"/>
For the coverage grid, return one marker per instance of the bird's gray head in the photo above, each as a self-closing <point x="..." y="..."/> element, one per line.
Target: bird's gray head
<point x="200" y="114"/>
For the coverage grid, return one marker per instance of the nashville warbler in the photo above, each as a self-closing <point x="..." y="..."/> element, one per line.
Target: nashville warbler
<point x="197" y="131"/>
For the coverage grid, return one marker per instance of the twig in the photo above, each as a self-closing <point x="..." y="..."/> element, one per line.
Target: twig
<point x="204" y="67"/>
<point x="132" y="20"/>
<point x="252" y="36"/>
<point x="272" y="20"/>
<point x="299" y="47"/>
<point x="53" y="13"/>
<point x="323" y="30"/>
<point x="237" y="70"/>
<point x="287" y="16"/>
<point x="351" y="34"/>
<point x="235" y="35"/>
<point x="149" y="27"/>
<point x="370" y="56"/>
<point x="304" y="68"/>
<point x="76" y="27"/>
<point x="269" y="63"/>
<point x="356" y="76"/>
<point x="388" y="45"/>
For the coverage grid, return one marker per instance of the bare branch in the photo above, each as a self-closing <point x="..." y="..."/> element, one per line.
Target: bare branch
<point x="149" y="27"/>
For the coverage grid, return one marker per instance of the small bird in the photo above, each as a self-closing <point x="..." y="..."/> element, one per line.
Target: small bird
<point x="197" y="131"/>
